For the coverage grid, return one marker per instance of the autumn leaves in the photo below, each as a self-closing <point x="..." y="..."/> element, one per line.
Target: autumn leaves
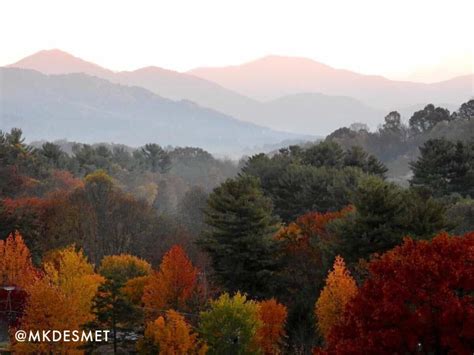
<point x="66" y="293"/>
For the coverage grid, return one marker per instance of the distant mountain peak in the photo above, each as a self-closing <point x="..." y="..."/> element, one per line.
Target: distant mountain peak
<point x="153" y="69"/>
<point x="56" y="61"/>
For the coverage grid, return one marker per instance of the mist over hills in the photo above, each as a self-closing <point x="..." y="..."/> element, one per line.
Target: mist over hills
<point x="89" y="109"/>
<point x="296" y="95"/>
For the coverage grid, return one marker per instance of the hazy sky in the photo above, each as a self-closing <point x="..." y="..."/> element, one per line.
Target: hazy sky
<point x="392" y="38"/>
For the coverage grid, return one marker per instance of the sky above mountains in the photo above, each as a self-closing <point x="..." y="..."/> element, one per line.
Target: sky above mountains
<point x="422" y="41"/>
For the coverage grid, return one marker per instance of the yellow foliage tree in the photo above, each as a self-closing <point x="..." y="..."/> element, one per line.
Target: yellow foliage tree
<point x="16" y="268"/>
<point x="60" y="300"/>
<point x="340" y="288"/>
<point x="172" y="335"/>
<point x="123" y="267"/>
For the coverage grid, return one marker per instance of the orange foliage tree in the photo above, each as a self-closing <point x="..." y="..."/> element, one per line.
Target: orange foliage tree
<point x="173" y="285"/>
<point x="339" y="290"/>
<point x="134" y="288"/>
<point x="16" y="268"/>
<point x="418" y="298"/>
<point x="271" y="332"/>
<point x="61" y="299"/>
<point x="171" y="335"/>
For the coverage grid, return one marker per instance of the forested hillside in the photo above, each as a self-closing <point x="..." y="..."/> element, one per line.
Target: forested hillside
<point x="397" y="143"/>
<point x="309" y="249"/>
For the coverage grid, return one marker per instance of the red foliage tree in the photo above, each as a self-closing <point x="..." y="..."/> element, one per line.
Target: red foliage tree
<point x="419" y="297"/>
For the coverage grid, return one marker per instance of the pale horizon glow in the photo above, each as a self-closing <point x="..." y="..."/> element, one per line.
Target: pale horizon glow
<point x="414" y="40"/>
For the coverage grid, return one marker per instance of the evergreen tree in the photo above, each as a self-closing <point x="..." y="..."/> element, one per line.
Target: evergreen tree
<point x="327" y="153"/>
<point x="114" y="311"/>
<point x="156" y="159"/>
<point x="240" y="239"/>
<point x="445" y="167"/>
<point x="359" y="158"/>
<point x="111" y="306"/>
<point x="384" y="214"/>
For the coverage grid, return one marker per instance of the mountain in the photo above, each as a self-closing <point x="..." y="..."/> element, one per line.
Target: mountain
<point x="89" y="109"/>
<point x="275" y="76"/>
<point x="309" y="113"/>
<point x="313" y="112"/>
<point x="292" y="94"/>
<point x="166" y="83"/>
<point x="55" y="61"/>
<point x="445" y="69"/>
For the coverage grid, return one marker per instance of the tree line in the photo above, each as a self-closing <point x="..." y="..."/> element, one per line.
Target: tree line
<point x="308" y="249"/>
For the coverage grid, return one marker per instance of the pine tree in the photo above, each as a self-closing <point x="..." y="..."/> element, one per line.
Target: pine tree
<point x="240" y="240"/>
<point x="445" y="167"/>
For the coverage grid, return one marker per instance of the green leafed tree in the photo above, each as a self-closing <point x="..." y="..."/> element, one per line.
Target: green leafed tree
<point x="230" y="326"/>
<point x="424" y="120"/>
<point x="111" y="306"/>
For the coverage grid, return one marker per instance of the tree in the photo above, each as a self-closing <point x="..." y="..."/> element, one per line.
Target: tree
<point x="61" y="299"/>
<point x="307" y="256"/>
<point x="417" y="298"/>
<point x="461" y="214"/>
<point x="271" y="333"/>
<point x="445" y="167"/>
<point x="123" y="267"/>
<point x="134" y="289"/>
<point x="156" y="159"/>
<point x="240" y="241"/>
<point x="170" y="335"/>
<point x="320" y="178"/>
<point x="393" y="122"/>
<point x="424" y="120"/>
<point x="53" y="155"/>
<point x="358" y="126"/>
<point x="113" y="309"/>
<point x="16" y="268"/>
<point x="230" y="326"/>
<point x="327" y="153"/>
<point x="102" y="219"/>
<point x="357" y="157"/>
<point x="340" y="288"/>
<point x="466" y="111"/>
<point x="300" y="189"/>
<point x="173" y="285"/>
<point x="191" y="210"/>
<point x="384" y="214"/>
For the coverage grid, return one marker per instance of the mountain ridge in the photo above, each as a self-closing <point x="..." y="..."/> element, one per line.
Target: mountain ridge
<point x="90" y="109"/>
<point x="328" y="107"/>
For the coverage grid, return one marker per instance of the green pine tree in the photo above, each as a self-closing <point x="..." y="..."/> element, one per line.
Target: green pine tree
<point x="240" y="238"/>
